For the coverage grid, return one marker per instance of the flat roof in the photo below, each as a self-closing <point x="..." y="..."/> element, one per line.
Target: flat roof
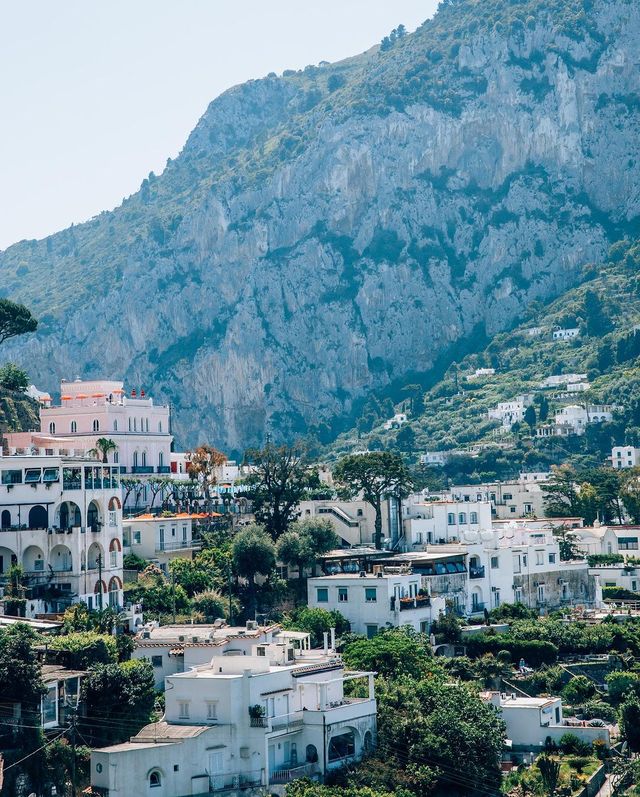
<point x="358" y="577"/>
<point x="425" y="556"/>
<point x="178" y="516"/>
<point x="352" y="553"/>
<point x="40" y="625"/>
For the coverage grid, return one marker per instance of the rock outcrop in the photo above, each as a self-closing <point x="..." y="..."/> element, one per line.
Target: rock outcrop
<point x="327" y="232"/>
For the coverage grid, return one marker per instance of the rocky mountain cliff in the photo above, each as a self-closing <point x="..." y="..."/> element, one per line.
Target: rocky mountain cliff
<point x="325" y="233"/>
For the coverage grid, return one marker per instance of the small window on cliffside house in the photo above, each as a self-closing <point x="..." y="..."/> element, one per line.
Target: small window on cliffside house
<point x="74" y="427"/>
<point x="52" y="428"/>
<point x="96" y="425"/>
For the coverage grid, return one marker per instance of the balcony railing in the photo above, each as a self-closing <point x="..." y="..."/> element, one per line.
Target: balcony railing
<point x="287" y="774"/>
<point x="164" y="547"/>
<point x="476" y="572"/>
<point x="163" y="469"/>
<point x="477" y="607"/>
<point x="142" y="469"/>
<point x="403" y="604"/>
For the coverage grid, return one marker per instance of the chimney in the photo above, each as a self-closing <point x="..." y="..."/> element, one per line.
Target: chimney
<point x="325" y="637"/>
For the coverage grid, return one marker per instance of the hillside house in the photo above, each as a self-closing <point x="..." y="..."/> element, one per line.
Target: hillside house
<point x="243" y="725"/>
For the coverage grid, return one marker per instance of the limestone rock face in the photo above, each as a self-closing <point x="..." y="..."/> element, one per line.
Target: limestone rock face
<point x="318" y="241"/>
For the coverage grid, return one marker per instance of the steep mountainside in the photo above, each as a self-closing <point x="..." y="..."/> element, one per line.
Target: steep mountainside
<point x="325" y="233"/>
<point x="453" y="416"/>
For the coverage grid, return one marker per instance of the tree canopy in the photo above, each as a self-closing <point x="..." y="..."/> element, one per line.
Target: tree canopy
<point x="15" y="319"/>
<point x="376" y="475"/>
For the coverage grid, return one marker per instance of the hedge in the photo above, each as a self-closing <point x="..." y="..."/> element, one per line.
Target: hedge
<point x="534" y="652"/>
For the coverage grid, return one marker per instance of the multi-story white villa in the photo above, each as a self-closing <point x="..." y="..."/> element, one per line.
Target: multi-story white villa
<point x="566" y="334"/>
<point x="515" y="498"/>
<point x="372" y="601"/>
<point x="245" y="724"/>
<point x="354" y="521"/>
<point x="178" y="648"/>
<point x="429" y="522"/>
<point x="61" y="520"/>
<point x="625" y="457"/>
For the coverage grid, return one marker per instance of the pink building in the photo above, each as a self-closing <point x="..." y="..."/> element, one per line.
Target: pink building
<point x="90" y="410"/>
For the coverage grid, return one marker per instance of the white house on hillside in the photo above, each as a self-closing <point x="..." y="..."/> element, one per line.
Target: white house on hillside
<point x="372" y="601"/>
<point x="243" y="725"/>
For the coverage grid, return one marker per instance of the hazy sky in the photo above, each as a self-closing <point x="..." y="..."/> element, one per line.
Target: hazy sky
<point x="94" y="94"/>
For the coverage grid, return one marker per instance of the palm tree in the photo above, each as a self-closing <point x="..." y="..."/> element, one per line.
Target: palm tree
<point x="103" y="446"/>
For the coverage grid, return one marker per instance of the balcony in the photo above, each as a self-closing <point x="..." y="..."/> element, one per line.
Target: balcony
<point x="287" y="774"/>
<point x="476" y="572"/>
<point x="183" y="545"/>
<point x="163" y="469"/>
<point x="477" y="607"/>
<point x="285" y="721"/>
<point x="139" y="469"/>
<point x="419" y="602"/>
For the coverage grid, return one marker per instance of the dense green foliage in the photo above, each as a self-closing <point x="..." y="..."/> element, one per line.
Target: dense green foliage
<point x="457" y="405"/>
<point x="119" y="700"/>
<point x="315" y="622"/>
<point x="82" y="649"/>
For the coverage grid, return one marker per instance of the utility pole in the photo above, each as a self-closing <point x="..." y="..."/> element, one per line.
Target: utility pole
<point x="229" y="587"/>
<point x="100" y="581"/>
<point x="72" y="733"/>
<point x="173" y="595"/>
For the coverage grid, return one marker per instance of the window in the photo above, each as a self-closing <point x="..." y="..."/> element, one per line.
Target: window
<point x="51" y="475"/>
<point x="628" y="544"/>
<point x="342" y="746"/>
<point x="74" y="427"/>
<point x="541" y="593"/>
<point x="161" y="459"/>
<point x="129" y="424"/>
<point x="116" y="457"/>
<point x="136" y="538"/>
<point x="474" y="519"/>
<point x="135" y="424"/>
<point x="462" y="517"/>
<point x="12" y="477"/>
<point x="512" y="509"/>
<point x="147" y="425"/>
<point x="495" y="562"/>
<point x="372" y="630"/>
<point x="212" y="710"/>
<point x="184" y="710"/>
<point x="552" y="558"/>
<point x="322" y="595"/>
<point x="96" y="425"/>
<point x="113" y="558"/>
<point x="115" y="426"/>
<point x="155" y="781"/>
<point x="507" y="497"/>
<point x="156" y="661"/>
<point x="160" y="427"/>
<point x="144" y="459"/>
<point x="32" y="476"/>
<point x="343" y="595"/>
<point x="451" y="519"/>
<point x="539" y="557"/>
<point x="371" y="594"/>
<point x="52" y="428"/>
<point x="135" y="459"/>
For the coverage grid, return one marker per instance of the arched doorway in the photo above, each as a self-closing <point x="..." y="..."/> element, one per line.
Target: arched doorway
<point x="115" y="585"/>
<point x="6" y="519"/>
<point x="33" y="559"/>
<point x="60" y="559"/>
<point x="68" y="515"/>
<point x="7" y="558"/>
<point x="95" y="556"/>
<point x="38" y="517"/>
<point x="93" y="516"/>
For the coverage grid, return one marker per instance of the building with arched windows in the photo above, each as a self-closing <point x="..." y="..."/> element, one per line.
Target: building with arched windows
<point x="246" y="724"/>
<point x="90" y="410"/>
<point x="61" y="520"/>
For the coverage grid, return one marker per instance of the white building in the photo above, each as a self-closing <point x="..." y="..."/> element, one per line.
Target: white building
<point x="398" y="420"/>
<point x="61" y="519"/>
<point x="531" y="720"/>
<point x="534" y="332"/>
<point x="566" y="334"/>
<point x="353" y="521"/>
<point x="516" y="498"/>
<point x="508" y="412"/>
<point x="372" y="601"/>
<point x="479" y="372"/>
<point x="178" y="648"/>
<point x="562" y="380"/>
<point x="245" y="724"/>
<point x="429" y="522"/>
<point x="625" y="457"/>
<point x="578" y="417"/>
